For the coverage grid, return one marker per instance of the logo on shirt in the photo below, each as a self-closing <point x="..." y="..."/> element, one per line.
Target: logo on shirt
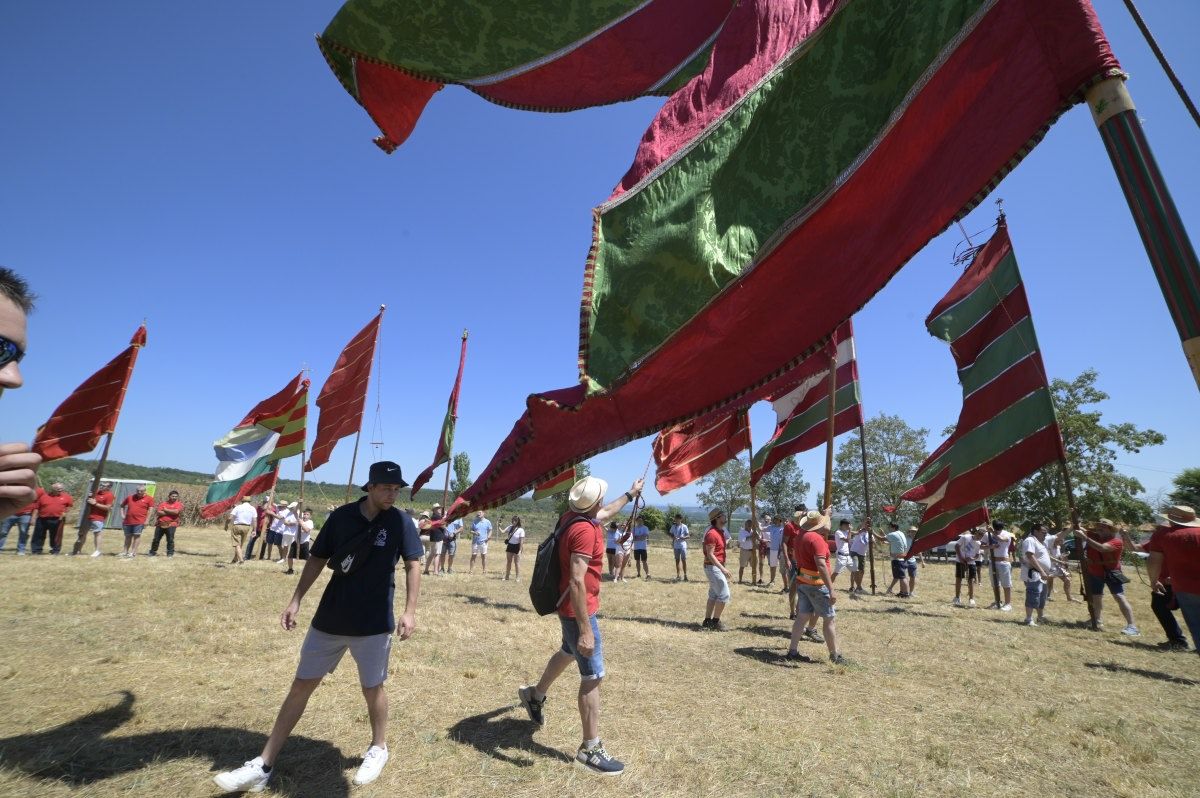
<point x="381" y="537"/>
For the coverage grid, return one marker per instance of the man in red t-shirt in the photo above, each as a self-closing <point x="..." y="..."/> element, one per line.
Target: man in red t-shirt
<point x="814" y="587"/>
<point x="787" y="560"/>
<point x="51" y="511"/>
<point x="580" y="550"/>
<point x="98" y="506"/>
<point x="1177" y="546"/>
<point x="137" y="508"/>
<point x="1104" y="550"/>
<point x="166" y="522"/>
<point x="714" y="568"/>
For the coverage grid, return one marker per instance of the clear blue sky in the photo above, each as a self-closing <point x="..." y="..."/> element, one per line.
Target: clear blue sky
<point x="199" y="166"/>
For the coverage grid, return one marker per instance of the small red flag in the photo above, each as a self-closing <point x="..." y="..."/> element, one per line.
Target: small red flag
<point x="344" y="394"/>
<point x="446" y="439"/>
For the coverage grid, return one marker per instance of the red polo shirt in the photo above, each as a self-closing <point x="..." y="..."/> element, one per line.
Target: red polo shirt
<point x="165" y="520"/>
<point x="53" y="506"/>
<point x="136" y="510"/>
<point x="104" y="497"/>
<point x="583" y="537"/>
<point x="790" y="534"/>
<point x="716" y="538"/>
<point x="1100" y="561"/>
<point x="1180" y="548"/>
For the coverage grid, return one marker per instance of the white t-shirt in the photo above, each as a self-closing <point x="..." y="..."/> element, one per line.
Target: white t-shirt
<point x="842" y="538"/>
<point x="746" y="539"/>
<point x="641" y="537"/>
<point x="515" y="534"/>
<point x="968" y="547"/>
<point x="860" y="542"/>
<point x="290" y="524"/>
<point x="243" y="514"/>
<point x="306" y="528"/>
<point x="1002" y="541"/>
<point x="1032" y="545"/>
<point x="679" y="535"/>
<point x="1053" y="546"/>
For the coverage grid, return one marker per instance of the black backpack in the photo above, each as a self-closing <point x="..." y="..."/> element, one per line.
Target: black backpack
<point x="547" y="571"/>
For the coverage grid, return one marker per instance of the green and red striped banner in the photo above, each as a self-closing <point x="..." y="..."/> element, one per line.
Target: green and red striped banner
<point x="556" y="484"/>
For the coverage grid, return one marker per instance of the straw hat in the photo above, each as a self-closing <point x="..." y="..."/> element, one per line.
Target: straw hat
<point x="813" y="520"/>
<point x="913" y="529"/>
<point x="1102" y="523"/>
<point x="586" y="493"/>
<point x="1181" y="515"/>
<point x="715" y="513"/>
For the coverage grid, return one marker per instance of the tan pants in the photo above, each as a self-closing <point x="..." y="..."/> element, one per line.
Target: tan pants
<point x="238" y="534"/>
<point x="745" y="557"/>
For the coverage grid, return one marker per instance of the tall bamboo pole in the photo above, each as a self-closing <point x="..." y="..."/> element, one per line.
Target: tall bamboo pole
<point x="83" y="512"/>
<point x="862" y="444"/>
<point x="1171" y="253"/>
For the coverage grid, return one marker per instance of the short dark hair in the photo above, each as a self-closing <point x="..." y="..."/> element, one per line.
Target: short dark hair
<point x="893" y="525"/>
<point x="997" y="525"/>
<point x="13" y="286"/>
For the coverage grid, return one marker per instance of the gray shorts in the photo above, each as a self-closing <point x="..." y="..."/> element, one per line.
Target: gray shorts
<point x="813" y="600"/>
<point x="321" y="653"/>
<point x="718" y="585"/>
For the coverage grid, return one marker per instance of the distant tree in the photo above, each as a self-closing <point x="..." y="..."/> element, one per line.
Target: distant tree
<point x="462" y="473"/>
<point x="1092" y="446"/>
<point x="669" y="516"/>
<point x="560" y="499"/>
<point x="894" y="451"/>
<point x="1187" y="488"/>
<point x="652" y="517"/>
<point x="782" y="489"/>
<point x="727" y="488"/>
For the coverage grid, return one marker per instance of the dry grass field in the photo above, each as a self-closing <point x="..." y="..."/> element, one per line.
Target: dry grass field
<point x="146" y="677"/>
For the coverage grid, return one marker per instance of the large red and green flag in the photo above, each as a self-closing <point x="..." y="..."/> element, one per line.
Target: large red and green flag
<point x="392" y="56"/>
<point x="248" y="455"/>
<point x="445" y="443"/>
<point x="92" y="409"/>
<point x="686" y="452"/>
<point x="802" y="409"/>
<point x="1007" y="428"/>
<point x="344" y="393"/>
<point x="940" y="527"/>
<point x="821" y="147"/>
<point x="556" y="484"/>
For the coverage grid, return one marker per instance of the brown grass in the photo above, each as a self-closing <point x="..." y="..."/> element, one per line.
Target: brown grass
<point x="145" y="677"/>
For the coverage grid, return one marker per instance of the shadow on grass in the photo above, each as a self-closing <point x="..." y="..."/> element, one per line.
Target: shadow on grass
<point x="1155" y="647"/>
<point x="768" y="631"/>
<point x="906" y="610"/>
<point x="1157" y="676"/>
<point x="80" y="753"/>
<point x="490" y="734"/>
<point x="763" y="616"/>
<point x="484" y="601"/>
<point x="770" y="656"/>
<point x="686" y="626"/>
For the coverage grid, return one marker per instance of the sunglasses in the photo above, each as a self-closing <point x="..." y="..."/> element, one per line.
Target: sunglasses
<point x="10" y="352"/>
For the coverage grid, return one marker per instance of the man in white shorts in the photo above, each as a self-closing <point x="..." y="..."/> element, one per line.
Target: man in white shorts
<point x="843" y="560"/>
<point x="1000" y="541"/>
<point x="679" y="539"/>
<point x="362" y="542"/>
<point x="481" y="533"/>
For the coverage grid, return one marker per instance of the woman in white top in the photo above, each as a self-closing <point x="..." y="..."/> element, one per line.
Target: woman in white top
<point x="514" y="536"/>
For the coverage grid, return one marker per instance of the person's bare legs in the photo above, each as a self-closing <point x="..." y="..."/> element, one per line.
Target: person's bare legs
<point x="377" y="711"/>
<point x="1126" y="610"/>
<point x="471" y="567"/>
<point x="133" y="547"/>
<point x="517" y="566"/>
<point x="589" y="708"/>
<point x="289" y="715"/>
<point x="714" y="609"/>
<point x="483" y="563"/>
<point x="554" y="668"/>
<point x="798" y="626"/>
<point x="829" y="626"/>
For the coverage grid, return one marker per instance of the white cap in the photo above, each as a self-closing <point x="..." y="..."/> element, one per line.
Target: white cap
<point x="586" y="492"/>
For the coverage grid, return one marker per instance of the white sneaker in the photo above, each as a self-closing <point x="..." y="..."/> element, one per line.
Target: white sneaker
<point x="957" y="601"/>
<point x="1006" y="608"/>
<point x="250" y="777"/>
<point x="971" y="603"/>
<point x="1131" y="630"/>
<point x="96" y="553"/>
<point x="373" y="761"/>
<point x="1031" y="622"/>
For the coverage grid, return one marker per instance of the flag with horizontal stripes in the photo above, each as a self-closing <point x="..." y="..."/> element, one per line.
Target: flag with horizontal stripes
<point x="345" y="392"/>
<point x="526" y="54"/>
<point x="445" y="443"/>
<point x="248" y="455"/>
<point x="941" y="527"/>
<point x="802" y="410"/>
<point x="556" y="484"/>
<point x="686" y="452"/>
<point x="1006" y="429"/>
<point x="823" y="145"/>
<point x="92" y="409"/>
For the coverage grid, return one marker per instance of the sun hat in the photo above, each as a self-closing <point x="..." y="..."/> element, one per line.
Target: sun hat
<point x="1102" y="523"/>
<point x="436" y="506"/>
<point x="715" y="513"/>
<point x="293" y="505"/>
<point x="586" y="492"/>
<point x="913" y="529"/>
<point x="385" y="472"/>
<point x="814" y="520"/>
<point x="1181" y="515"/>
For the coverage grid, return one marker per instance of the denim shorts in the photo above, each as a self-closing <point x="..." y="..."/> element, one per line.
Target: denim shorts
<point x="1035" y="595"/>
<point x="1096" y="584"/>
<point x="898" y="570"/>
<point x="718" y="585"/>
<point x="451" y="547"/>
<point x="591" y="667"/>
<point x="133" y="529"/>
<point x="95" y="526"/>
<point x="813" y="600"/>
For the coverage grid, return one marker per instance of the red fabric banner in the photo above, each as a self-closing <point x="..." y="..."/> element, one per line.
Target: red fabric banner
<point x="686" y="452"/>
<point x="345" y="392"/>
<point x="92" y="409"/>
<point x="971" y="518"/>
<point x="446" y="439"/>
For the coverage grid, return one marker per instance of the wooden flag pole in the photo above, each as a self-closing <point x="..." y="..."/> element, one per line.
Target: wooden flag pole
<point x="83" y="511"/>
<point x="992" y="561"/>
<point x="829" y="429"/>
<point x="862" y="443"/>
<point x="1084" y="588"/>
<point x="1171" y="253"/>
<point x="358" y="435"/>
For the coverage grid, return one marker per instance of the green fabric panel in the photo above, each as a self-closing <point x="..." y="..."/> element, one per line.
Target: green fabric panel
<point x="977" y="304"/>
<point x="1010" y="346"/>
<point x="460" y="40"/>
<point x="665" y="249"/>
<point x="219" y="491"/>
<point x="1009" y="427"/>
<point x="942" y="520"/>
<point x="847" y="397"/>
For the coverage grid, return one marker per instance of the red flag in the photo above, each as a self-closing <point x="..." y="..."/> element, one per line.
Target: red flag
<point x="344" y="394"/>
<point x="686" y="452"/>
<point x="942" y="527"/>
<point x="76" y="426"/>
<point x="446" y="439"/>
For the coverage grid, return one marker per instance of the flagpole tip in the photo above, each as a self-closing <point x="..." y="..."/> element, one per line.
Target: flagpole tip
<point x="382" y="308"/>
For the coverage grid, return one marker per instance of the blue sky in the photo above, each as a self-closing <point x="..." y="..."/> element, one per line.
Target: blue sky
<point x="199" y="166"/>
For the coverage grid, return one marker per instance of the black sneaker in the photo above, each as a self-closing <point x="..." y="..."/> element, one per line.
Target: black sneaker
<point x="718" y="626"/>
<point x="813" y="635"/>
<point x="597" y="760"/>
<point x="533" y="705"/>
<point x="707" y="624"/>
<point x="838" y="659"/>
<point x="796" y="656"/>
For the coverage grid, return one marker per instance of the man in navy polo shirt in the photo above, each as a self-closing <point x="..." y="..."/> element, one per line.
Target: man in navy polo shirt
<point x="366" y="539"/>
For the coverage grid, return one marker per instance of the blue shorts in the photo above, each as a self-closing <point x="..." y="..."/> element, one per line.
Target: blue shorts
<point x="1035" y="595"/>
<point x="589" y="667"/>
<point x="898" y="570"/>
<point x="813" y="600"/>
<point x="95" y="526"/>
<point x="1096" y="584"/>
<point x="133" y="529"/>
<point x="274" y="538"/>
<point x="680" y="552"/>
<point x="450" y="547"/>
